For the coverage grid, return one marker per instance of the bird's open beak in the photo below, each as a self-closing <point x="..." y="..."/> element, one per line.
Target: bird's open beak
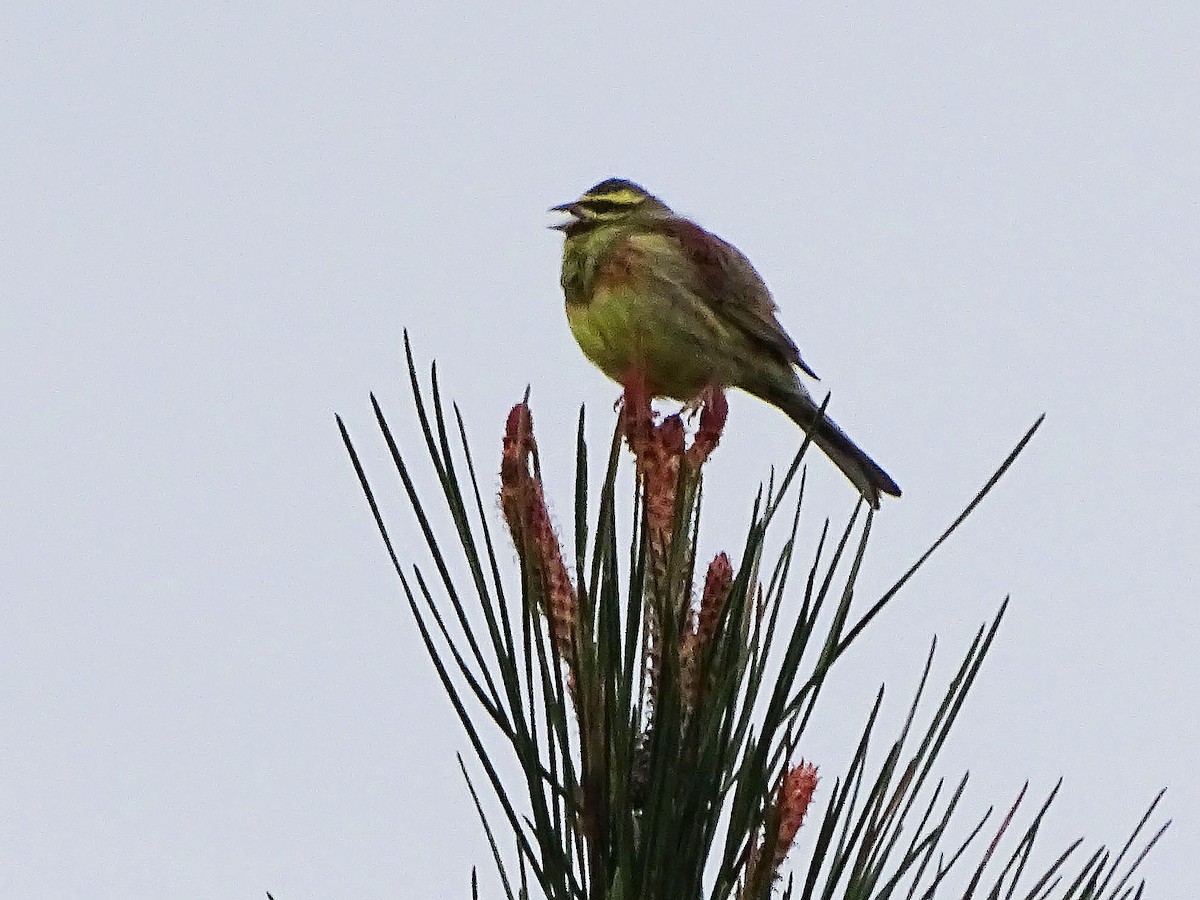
<point x="569" y="209"/>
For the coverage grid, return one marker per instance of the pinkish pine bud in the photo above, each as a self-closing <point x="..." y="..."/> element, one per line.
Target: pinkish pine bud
<point x="524" y="507"/>
<point x="794" y="797"/>
<point x="712" y="602"/>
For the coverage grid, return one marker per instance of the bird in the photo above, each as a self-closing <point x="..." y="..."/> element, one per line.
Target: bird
<point x="651" y="293"/>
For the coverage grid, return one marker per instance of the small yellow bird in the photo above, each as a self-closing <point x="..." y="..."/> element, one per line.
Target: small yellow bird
<point x="652" y="293"/>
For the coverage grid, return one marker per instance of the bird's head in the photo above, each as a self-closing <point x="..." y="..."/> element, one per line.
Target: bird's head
<point x="614" y="201"/>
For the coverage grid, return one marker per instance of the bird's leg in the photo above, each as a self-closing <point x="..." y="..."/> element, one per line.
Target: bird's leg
<point x="705" y="398"/>
<point x="714" y="410"/>
<point x="634" y="403"/>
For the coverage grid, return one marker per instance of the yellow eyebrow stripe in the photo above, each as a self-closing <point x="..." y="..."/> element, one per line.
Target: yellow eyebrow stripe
<point x="623" y="197"/>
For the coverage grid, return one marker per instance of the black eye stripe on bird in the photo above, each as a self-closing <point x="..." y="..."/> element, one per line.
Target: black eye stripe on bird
<point x="601" y="206"/>
<point x="645" y="288"/>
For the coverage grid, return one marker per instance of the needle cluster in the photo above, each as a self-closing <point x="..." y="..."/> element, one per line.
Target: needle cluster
<point x="658" y="717"/>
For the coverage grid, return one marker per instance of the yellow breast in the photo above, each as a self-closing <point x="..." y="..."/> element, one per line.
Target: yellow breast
<point x="624" y="330"/>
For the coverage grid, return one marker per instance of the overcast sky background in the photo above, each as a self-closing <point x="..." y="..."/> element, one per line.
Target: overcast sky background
<point x="217" y="220"/>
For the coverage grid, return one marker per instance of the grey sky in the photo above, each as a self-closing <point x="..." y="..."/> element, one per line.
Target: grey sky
<point x="217" y="220"/>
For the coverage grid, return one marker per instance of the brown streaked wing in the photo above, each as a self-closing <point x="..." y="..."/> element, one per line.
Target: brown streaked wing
<point x="733" y="287"/>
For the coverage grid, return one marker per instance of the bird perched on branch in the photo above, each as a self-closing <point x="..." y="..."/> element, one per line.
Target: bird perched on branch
<point x="653" y="295"/>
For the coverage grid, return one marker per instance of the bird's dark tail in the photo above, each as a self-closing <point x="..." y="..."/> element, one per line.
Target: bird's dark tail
<point x="863" y="471"/>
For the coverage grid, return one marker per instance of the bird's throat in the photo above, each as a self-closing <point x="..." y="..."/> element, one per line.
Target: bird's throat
<point x="584" y="254"/>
